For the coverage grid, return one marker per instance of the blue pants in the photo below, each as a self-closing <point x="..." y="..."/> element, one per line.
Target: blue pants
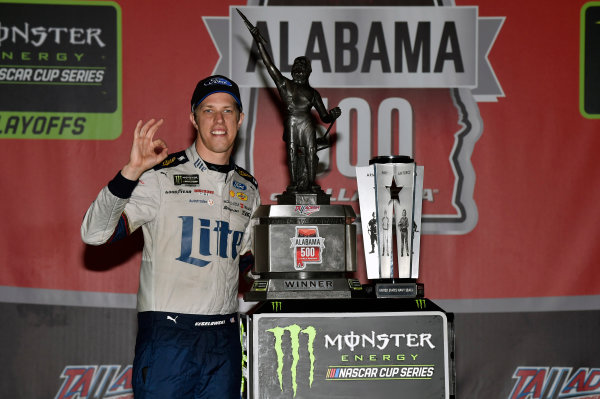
<point x="187" y="356"/>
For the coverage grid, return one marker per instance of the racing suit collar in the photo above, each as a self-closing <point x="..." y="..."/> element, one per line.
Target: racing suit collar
<point x="201" y="164"/>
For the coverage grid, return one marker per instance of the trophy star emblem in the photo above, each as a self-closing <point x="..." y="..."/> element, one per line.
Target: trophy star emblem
<point x="394" y="191"/>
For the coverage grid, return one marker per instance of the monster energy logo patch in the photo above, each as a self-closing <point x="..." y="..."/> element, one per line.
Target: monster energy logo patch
<point x="421" y="304"/>
<point x="295" y="331"/>
<point x="186" y="180"/>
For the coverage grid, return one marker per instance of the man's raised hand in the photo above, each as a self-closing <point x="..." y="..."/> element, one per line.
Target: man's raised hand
<point x="146" y="152"/>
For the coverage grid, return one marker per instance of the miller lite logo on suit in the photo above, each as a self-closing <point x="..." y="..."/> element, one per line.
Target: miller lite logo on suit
<point x="308" y="246"/>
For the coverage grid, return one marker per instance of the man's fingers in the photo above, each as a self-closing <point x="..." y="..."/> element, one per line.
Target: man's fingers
<point x="154" y="128"/>
<point x="136" y="131"/>
<point x="159" y="146"/>
<point x="148" y="129"/>
<point x="160" y="143"/>
<point x="144" y="130"/>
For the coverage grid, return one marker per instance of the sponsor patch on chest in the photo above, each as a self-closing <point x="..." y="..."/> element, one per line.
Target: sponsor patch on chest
<point x="186" y="180"/>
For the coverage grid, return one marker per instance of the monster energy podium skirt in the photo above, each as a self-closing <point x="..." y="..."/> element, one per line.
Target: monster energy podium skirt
<point x="355" y="348"/>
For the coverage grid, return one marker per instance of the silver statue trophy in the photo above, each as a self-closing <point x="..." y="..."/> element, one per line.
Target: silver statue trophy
<point x="390" y="193"/>
<point x="303" y="246"/>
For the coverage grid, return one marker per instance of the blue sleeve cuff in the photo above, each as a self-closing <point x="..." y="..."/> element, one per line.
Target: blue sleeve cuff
<point x="121" y="187"/>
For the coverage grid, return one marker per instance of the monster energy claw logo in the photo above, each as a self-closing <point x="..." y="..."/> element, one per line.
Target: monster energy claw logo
<point x="421" y="304"/>
<point x="294" y="331"/>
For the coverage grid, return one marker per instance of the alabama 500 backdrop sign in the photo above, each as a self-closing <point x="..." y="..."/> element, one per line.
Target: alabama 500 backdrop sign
<point x="60" y="69"/>
<point x="406" y="78"/>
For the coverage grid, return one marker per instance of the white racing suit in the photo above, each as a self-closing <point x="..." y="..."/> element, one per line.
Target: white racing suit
<point x="196" y="223"/>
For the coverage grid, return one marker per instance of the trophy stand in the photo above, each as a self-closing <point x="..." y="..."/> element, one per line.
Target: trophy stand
<point x="304" y="250"/>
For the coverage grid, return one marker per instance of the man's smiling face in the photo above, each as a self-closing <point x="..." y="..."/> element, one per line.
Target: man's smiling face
<point x="217" y="120"/>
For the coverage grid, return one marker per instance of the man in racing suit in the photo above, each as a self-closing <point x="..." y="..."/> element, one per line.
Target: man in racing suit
<point x="194" y="208"/>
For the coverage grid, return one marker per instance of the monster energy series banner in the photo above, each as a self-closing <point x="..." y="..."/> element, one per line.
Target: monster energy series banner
<point x="60" y="70"/>
<point x="327" y="355"/>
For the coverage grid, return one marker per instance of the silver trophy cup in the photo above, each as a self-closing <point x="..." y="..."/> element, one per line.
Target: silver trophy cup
<point x="390" y="192"/>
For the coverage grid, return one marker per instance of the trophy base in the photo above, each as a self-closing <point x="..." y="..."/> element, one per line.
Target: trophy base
<point x="292" y="287"/>
<point x="402" y="289"/>
<point x="292" y="196"/>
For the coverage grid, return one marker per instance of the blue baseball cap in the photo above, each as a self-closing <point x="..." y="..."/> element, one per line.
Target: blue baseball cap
<point x="215" y="84"/>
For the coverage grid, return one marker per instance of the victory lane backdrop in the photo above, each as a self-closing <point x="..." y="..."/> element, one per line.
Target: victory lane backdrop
<point x="527" y="245"/>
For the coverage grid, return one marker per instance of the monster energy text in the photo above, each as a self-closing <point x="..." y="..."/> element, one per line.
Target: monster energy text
<point x="380" y="341"/>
